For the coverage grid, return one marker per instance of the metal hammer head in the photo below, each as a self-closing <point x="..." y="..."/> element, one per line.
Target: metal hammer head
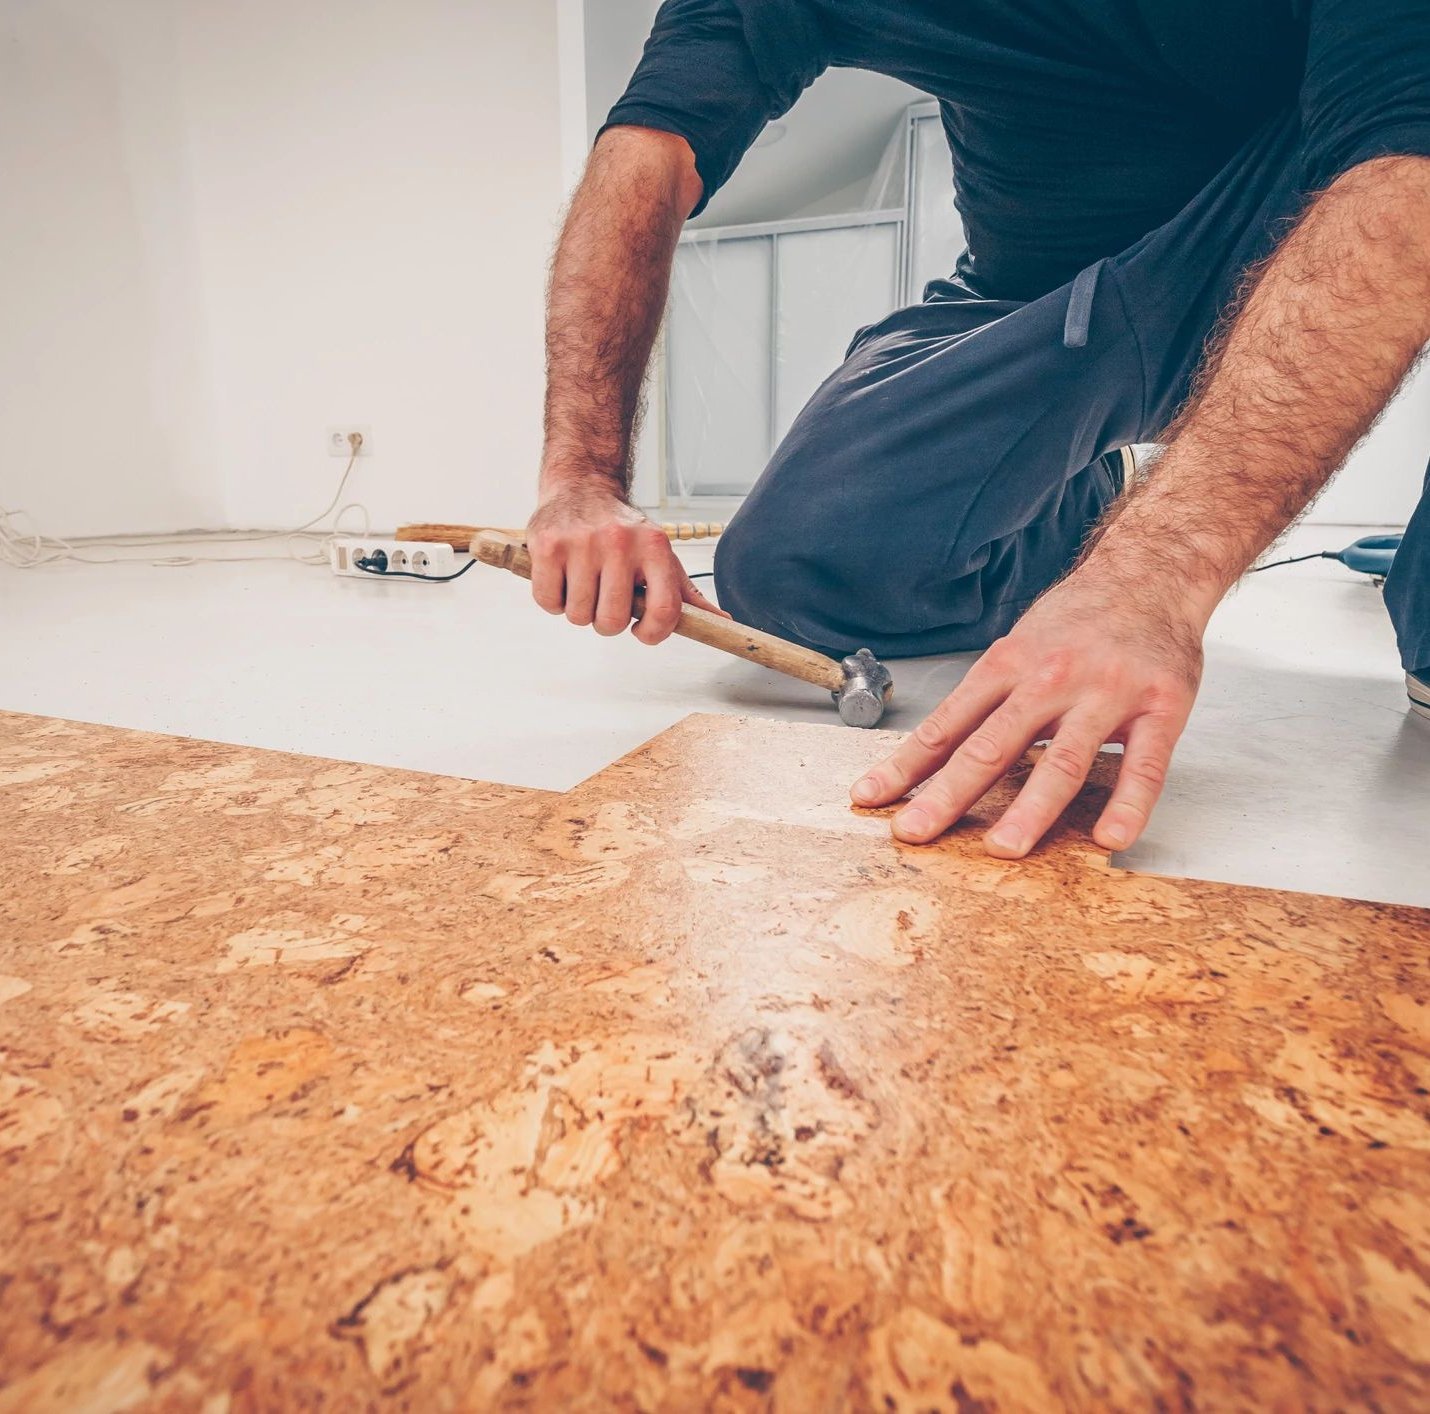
<point x="867" y="685"/>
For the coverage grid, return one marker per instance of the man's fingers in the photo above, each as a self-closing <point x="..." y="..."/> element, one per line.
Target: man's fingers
<point x="613" y="601"/>
<point x="663" y="610"/>
<point x="662" y="600"/>
<point x="581" y="588"/>
<point x="982" y="758"/>
<point x="931" y="743"/>
<point x="692" y="595"/>
<point x="548" y="581"/>
<point x="1055" y="780"/>
<point x="1145" y="759"/>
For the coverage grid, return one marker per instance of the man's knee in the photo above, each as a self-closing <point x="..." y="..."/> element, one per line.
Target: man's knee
<point x="753" y="579"/>
<point x="804" y="579"/>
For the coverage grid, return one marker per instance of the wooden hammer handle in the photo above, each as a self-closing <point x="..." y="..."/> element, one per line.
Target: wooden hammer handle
<point x="696" y="623"/>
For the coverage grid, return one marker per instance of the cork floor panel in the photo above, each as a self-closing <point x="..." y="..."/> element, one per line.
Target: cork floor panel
<point x="329" y="1085"/>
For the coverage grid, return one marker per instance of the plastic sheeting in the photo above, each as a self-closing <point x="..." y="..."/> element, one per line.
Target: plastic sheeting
<point x="760" y="315"/>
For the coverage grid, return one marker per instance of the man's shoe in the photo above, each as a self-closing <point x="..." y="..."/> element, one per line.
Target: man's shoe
<point x="1417" y="685"/>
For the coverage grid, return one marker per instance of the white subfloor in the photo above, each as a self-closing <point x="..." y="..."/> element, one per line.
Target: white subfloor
<point x="1301" y="768"/>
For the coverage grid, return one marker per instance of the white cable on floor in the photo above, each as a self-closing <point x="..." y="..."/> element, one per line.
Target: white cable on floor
<point x="29" y="549"/>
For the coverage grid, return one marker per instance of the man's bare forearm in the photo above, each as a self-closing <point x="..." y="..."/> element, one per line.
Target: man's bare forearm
<point x="590" y="548"/>
<point x="1326" y="334"/>
<point x="609" y="282"/>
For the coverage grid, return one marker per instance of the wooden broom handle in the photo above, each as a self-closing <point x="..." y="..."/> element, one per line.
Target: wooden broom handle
<point x="460" y="537"/>
<point x="695" y="623"/>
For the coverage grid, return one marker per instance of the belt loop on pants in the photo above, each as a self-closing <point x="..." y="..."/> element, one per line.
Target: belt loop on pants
<point x="1080" y="306"/>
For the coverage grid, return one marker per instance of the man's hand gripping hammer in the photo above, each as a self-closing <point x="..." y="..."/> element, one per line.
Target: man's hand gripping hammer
<point x="859" y="684"/>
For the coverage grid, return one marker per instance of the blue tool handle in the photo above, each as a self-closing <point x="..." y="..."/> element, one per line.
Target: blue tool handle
<point x="1372" y="554"/>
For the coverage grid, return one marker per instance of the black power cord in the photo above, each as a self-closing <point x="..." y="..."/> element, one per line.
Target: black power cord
<point x="1295" y="560"/>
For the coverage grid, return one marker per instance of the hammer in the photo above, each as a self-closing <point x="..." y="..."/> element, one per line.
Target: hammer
<point x="859" y="685"/>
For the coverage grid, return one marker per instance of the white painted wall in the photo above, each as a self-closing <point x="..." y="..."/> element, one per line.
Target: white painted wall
<point x="1381" y="483"/>
<point x="226" y="227"/>
<point x="103" y="362"/>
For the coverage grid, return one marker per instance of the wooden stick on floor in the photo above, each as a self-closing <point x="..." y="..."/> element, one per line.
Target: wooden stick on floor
<point x="460" y="537"/>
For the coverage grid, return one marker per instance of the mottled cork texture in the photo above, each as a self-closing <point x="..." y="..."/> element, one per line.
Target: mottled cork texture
<point x="329" y="1086"/>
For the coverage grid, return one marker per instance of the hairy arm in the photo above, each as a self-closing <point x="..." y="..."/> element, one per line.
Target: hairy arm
<point x="1325" y="334"/>
<point x="609" y="281"/>
<point x="590" y="548"/>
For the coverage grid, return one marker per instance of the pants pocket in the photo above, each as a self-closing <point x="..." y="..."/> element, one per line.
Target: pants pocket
<point x="1079" y="316"/>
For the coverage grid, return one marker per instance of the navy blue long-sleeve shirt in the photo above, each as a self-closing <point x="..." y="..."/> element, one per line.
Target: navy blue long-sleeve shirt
<point x="1076" y="126"/>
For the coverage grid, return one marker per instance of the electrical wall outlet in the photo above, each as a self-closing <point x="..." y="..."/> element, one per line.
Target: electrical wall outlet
<point x="340" y="443"/>
<point x="426" y="558"/>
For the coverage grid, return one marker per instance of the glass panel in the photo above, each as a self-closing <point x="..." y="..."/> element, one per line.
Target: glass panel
<point x="828" y="284"/>
<point x="937" y="236"/>
<point x="718" y="350"/>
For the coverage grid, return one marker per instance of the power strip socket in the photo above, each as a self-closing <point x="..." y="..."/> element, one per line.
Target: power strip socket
<point x="429" y="559"/>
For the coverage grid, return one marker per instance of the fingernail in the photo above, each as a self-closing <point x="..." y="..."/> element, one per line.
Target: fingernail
<point x="1115" y="835"/>
<point x="866" y="789"/>
<point x="912" y="821"/>
<point x="1006" y="837"/>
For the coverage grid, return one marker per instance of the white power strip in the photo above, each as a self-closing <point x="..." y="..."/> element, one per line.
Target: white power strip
<point x="427" y="559"/>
